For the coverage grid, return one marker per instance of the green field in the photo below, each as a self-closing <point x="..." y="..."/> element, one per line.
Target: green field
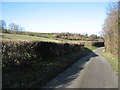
<point x="27" y="37"/>
<point x="24" y="37"/>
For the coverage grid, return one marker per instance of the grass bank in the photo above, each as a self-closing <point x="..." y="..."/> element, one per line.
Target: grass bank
<point x="112" y="60"/>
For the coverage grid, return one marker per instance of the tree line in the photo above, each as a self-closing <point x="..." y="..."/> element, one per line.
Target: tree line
<point x="70" y="36"/>
<point x="17" y="29"/>
<point x="12" y="27"/>
<point x="110" y="30"/>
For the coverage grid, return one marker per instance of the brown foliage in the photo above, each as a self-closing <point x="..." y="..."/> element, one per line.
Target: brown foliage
<point x="22" y="53"/>
<point x="70" y="36"/>
<point x="110" y="30"/>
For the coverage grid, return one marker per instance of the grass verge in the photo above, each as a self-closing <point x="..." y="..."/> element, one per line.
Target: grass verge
<point x="112" y="60"/>
<point x="92" y="47"/>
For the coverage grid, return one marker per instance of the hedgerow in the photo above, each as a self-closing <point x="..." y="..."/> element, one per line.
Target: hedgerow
<point x="23" y="53"/>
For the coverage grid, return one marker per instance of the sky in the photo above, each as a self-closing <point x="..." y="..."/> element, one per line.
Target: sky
<point x="56" y="17"/>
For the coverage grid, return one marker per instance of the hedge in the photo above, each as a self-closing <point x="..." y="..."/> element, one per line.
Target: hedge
<point x="97" y="44"/>
<point x="23" y="53"/>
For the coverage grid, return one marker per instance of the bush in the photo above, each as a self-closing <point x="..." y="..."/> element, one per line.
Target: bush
<point x="25" y="53"/>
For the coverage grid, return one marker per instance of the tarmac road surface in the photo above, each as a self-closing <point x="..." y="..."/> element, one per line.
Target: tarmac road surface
<point x="92" y="71"/>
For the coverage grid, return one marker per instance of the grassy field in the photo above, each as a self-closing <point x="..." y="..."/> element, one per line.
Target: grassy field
<point x="26" y="37"/>
<point x="112" y="60"/>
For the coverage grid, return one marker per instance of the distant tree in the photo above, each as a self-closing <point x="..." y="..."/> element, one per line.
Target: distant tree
<point x="86" y="34"/>
<point x="2" y="25"/>
<point x="13" y="27"/>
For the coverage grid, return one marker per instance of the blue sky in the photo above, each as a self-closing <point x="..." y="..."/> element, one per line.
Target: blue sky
<point x="48" y="17"/>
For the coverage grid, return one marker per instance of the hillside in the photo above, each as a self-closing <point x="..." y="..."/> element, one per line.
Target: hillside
<point x="24" y="37"/>
<point x="52" y="37"/>
<point x="6" y="36"/>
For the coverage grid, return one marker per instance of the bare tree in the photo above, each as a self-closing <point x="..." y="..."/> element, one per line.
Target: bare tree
<point x="14" y="27"/>
<point x="2" y="25"/>
<point x="110" y="29"/>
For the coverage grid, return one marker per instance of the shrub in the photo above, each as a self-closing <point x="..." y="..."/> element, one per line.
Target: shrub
<point x="24" y="53"/>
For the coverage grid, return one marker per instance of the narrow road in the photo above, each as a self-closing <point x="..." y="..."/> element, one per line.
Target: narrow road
<point x="92" y="71"/>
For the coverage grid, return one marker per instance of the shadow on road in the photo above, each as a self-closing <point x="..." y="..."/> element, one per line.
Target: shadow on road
<point x="70" y="73"/>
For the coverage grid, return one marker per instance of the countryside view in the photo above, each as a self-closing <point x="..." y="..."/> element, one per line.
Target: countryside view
<point x="59" y="44"/>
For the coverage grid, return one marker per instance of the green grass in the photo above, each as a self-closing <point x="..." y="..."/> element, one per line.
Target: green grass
<point x="112" y="60"/>
<point x="92" y="47"/>
<point x="24" y="37"/>
<point x="27" y="37"/>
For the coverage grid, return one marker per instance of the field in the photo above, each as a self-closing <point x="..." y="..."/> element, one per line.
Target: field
<point x="24" y="37"/>
<point x="47" y="37"/>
